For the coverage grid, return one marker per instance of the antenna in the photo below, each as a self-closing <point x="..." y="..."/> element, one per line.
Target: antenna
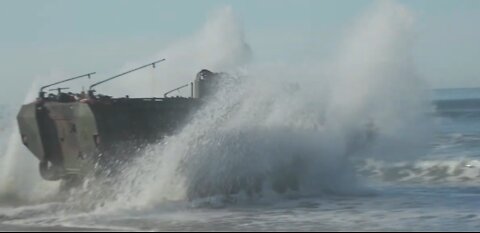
<point x="118" y="75"/>
<point x="41" y="92"/>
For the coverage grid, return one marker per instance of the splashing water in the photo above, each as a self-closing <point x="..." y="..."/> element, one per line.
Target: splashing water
<point x="19" y="177"/>
<point x="376" y="80"/>
<point x="218" y="45"/>
<point x="277" y="131"/>
<point x="284" y="129"/>
<point x="278" y="128"/>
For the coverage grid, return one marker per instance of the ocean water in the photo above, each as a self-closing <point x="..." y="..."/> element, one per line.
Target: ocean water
<point x="367" y="147"/>
<point x="436" y="191"/>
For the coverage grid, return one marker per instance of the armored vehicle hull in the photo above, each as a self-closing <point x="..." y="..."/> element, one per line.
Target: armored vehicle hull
<point x="74" y="135"/>
<point x="69" y="139"/>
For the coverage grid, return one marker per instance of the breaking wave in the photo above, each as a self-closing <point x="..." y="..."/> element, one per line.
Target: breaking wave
<point x="455" y="171"/>
<point x="273" y="129"/>
<point x="294" y="129"/>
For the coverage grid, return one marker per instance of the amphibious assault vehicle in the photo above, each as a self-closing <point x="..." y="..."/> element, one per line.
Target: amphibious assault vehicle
<point x="74" y="134"/>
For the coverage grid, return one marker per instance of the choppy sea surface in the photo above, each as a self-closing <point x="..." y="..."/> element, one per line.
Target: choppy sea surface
<point x="437" y="191"/>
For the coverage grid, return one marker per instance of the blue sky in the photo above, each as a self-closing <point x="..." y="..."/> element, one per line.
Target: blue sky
<point x="39" y="38"/>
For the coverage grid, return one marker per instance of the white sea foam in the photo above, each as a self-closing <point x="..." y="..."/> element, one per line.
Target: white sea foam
<point x="276" y="128"/>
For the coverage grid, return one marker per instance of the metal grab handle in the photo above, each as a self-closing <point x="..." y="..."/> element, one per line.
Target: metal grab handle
<point x="178" y="88"/>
